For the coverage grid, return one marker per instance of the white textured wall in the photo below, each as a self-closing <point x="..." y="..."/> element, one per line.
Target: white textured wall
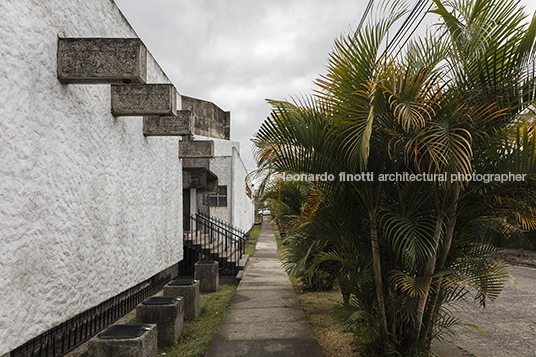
<point x="243" y="207"/>
<point x="88" y="206"/>
<point x="231" y="172"/>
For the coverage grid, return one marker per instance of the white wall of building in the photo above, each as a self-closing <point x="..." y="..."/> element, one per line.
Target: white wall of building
<point x="231" y="171"/>
<point x="243" y="209"/>
<point x="89" y="207"/>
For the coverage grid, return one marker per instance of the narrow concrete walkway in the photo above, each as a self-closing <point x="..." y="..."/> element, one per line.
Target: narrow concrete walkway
<point x="264" y="318"/>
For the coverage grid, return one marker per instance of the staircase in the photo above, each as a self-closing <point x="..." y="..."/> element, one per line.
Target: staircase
<point x="214" y="239"/>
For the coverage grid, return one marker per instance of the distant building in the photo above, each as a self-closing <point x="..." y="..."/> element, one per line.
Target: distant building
<point x="233" y="201"/>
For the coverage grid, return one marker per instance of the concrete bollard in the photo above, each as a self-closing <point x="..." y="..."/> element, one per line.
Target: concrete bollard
<point x="189" y="290"/>
<point x="138" y="340"/>
<point x="207" y="272"/>
<point x="168" y="315"/>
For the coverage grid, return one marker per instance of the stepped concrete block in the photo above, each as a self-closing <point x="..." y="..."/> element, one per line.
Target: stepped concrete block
<point x="196" y="149"/>
<point x="190" y="294"/>
<point x="208" y="275"/>
<point x="101" y="60"/>
<point x="167" y="315"/>
<point x="199" y="178"/>
<point x="169" y="125"/>
<point x="196" y="162"/>
<point x="141" y="346"/>
<point x="212" y="185"/>
<point x="144" y="99"/>
<point x="210" y="120"/>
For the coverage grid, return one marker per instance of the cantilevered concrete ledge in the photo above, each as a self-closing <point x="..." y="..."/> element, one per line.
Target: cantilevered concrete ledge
<point x="144" y="99"/>
<point x="180" y="125"/>
<point x="210" y="120"/>
<point x="196" y="149"/>
<point x="101" y="60"/>
<point x="205" y="181"/>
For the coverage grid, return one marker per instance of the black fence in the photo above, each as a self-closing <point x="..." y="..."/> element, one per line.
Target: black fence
<point x="214" y="239"/>
<point x="67" y="336"/>
<point x="234" y="231"/>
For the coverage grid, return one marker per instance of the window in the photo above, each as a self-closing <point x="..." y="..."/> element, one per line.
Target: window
<point x="219" y="199"/>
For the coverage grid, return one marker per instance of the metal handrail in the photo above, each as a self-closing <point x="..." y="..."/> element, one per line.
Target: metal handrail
<point x="225" y="226"/>
<point x="223" y="223"/>
<point x="213" y="238"/>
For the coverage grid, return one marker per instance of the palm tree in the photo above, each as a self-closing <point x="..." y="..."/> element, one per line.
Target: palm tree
<point x="457" y="105"/>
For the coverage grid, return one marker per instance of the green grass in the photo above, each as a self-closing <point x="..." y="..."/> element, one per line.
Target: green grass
<point x="280" y="246"/>
<point x="197" y="334"/>
<point x="252" y="241"/>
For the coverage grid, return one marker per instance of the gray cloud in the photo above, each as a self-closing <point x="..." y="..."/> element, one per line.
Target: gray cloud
<point x="237" y="53"/>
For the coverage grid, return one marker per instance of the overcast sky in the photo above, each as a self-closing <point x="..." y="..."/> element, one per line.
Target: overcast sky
<point x="237" y="53"/>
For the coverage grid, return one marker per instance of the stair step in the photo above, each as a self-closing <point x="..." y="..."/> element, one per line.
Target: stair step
<point x="243" y="261"/>
<point x="228" y="256"/>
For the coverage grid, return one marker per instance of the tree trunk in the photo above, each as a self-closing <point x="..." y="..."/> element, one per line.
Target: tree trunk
<point x="345" y="296"/>
<point x="447" y="242"/>
<point x="428" y="271"/>
<point x="376" y="262"/>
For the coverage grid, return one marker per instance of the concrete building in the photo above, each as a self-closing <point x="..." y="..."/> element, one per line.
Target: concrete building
<point x="232" y="203"/>
<point x="230" y="195"/>
<point x="91" y="183"/>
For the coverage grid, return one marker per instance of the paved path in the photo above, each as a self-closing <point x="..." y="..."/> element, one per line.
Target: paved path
<point x="264" y="318"/>
<point x="509" y="323"/>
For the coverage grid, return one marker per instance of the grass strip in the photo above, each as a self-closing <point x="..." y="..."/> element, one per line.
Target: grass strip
<point x="197" y="334"/>
<point x="253" y="238"/>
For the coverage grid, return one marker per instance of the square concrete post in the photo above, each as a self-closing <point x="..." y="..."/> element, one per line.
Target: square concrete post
<point x="189" y="290"/>
<point x="208" y="274"/>
<point x="168" y="315"/>
<point x="117" y="341"/>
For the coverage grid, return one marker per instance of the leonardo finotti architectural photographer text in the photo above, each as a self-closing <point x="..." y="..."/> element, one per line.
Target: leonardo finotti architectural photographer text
<point x="405" y="176"/>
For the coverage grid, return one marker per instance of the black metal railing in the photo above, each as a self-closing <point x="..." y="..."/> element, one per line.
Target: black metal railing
<point x="215" y="239"/>
<point x="237" y="232"/>
<point x="70" y="334"/>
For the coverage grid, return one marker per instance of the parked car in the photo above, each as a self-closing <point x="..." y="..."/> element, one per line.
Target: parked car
<point x="265" y="212"/>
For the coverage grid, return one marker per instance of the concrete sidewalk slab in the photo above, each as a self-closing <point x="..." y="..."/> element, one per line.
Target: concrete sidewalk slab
<point x="265" y="347"/>
<point x="263" y="285"/>
<point x="266" y="330"/>
<point x="251" y="299"/>
<point x="256" y="264"/>
<point x="274" y="314"/>
<point x="264" y="317"/>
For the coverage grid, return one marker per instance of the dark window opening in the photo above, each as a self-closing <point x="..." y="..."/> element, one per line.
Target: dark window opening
<point x="219" y="199"/>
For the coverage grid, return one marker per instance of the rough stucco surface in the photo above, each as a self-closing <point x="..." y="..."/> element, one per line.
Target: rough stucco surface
<point x="231" y="172"/>
<point x="243" y="208"/>
<point x="88" y="206"/>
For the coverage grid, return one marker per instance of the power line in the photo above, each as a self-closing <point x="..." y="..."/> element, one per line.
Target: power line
<point x="367" y="9"/>
<point x="406" y="26"/>
<point x="413" y="31"/>
<point x="406" y="30"/>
